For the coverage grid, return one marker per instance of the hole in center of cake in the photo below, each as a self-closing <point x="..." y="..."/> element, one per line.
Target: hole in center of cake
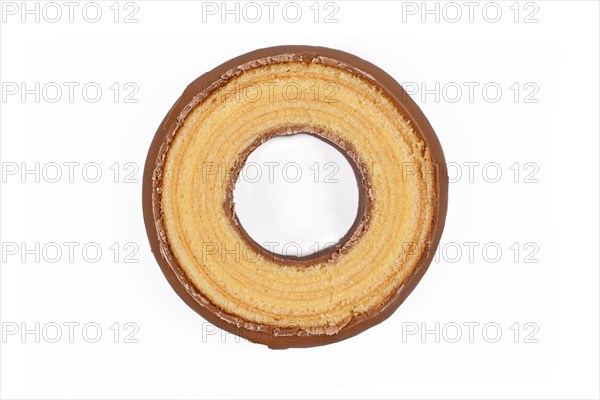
<point x="297" y="196"/>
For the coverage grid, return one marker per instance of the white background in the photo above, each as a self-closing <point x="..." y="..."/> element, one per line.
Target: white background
<point x="296" y="195"/>
<point x="177" y="354"/>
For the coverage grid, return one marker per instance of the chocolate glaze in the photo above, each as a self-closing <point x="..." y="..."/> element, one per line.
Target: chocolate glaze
<point x="200" y="89"/>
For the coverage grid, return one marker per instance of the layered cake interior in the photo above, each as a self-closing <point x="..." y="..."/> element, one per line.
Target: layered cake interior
<point x="279" y="96"/>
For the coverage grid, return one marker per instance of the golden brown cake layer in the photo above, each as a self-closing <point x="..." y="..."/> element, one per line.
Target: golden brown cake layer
<point x="227" y="113"/>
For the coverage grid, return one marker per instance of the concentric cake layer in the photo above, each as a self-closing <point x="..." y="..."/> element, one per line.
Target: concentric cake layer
<point x="271" y="96"/>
